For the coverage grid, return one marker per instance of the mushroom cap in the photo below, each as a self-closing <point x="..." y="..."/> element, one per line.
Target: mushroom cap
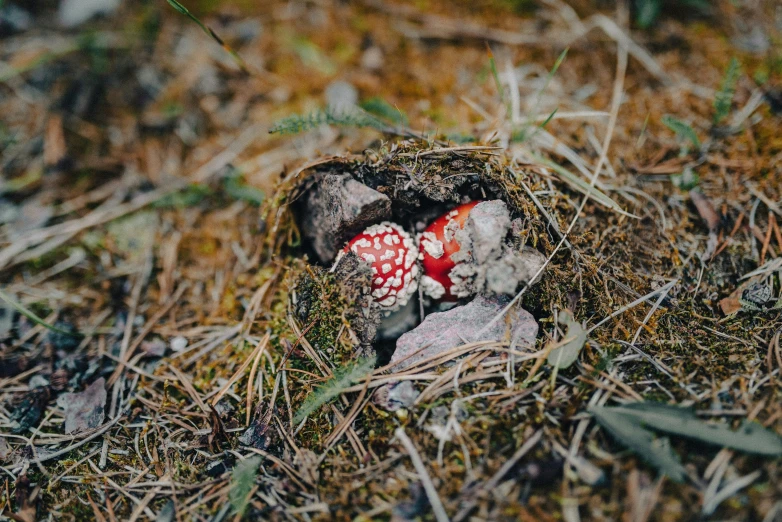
<point x="392" y="255"/>
<point x="438" y="244"/>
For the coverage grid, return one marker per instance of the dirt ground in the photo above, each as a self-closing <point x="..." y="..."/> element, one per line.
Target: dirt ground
<point x="153" y="355"/>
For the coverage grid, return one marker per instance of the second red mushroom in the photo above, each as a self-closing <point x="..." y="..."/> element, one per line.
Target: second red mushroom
<point x="438" y="243"/>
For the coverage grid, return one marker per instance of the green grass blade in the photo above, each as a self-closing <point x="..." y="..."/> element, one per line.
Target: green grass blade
<point x="564" y="356"/>
<point x="657" y="452"/>
<point x="751" y="437"/>
<point x="550" y="117"/>
<point x="495" y="74"/>
<point x="33" y="317"/>
<point x="242" y="482"/>
<point x="298" y="123"/>
<point x="683" y="130"/>
<point x="382" y="109"/>
<point x="208" y="30"/>
<point x="522" y="135"/>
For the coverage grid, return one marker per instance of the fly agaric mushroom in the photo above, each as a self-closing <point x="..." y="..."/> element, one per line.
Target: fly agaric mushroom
<point x="438" y="244"/>
<point x="392" y="254"/>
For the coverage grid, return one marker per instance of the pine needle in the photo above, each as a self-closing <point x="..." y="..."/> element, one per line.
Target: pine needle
<point x="208" y="30"/>
<point x="495" y="74"/>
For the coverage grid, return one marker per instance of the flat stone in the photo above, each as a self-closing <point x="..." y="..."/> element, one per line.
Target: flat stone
<point x="442" y="331"/>
<point x="338" y="208"/>
<point x="84" y="410"/>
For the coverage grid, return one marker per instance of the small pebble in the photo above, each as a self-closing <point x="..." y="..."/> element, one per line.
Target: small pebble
<point x="178" y="343"/>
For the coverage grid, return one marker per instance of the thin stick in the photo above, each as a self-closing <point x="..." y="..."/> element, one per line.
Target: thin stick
<point x="82" y="442"/>
<point x="431" y="493"/>
<point x="98" y="217"/>
<point x="190" y="389"/>
<point x="766" y="239"/>
<point x="250" y="386"/>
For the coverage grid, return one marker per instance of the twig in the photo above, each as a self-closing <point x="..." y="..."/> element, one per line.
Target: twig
<point x="82" y="442"/>
<point x="431" y="493"/>
<point x="259" y="348"/>
<point x="250" y="384"/>
<point x="663" y="290"/>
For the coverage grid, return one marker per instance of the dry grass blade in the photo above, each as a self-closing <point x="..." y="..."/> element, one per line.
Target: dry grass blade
<point x="621" y="70"/>
<point x="89" y="437"/>
<point x="431" y="492"/>
<point x="259" y="348"/>
<point x="33" y="317"/>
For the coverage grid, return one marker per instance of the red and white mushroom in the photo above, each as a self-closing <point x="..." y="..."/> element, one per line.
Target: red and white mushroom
<point x="393" y="257"/>
<point x="438" y="244"/>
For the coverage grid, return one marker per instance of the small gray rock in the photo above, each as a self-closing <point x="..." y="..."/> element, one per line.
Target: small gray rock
<point x="398" y="322"/>
<point x="372" y="59"/>
<point x="5" y="450"/>
<point x="14" y="19"/>
<point x="178" y="343"/>
<point x="395" y="395"/>
<point x="442" y="331"/>
<point x="339" y="207"/>
<point x="486" y="227"/>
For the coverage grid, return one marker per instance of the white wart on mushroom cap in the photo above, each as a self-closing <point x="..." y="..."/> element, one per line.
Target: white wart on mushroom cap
<point x="392" y="255"/>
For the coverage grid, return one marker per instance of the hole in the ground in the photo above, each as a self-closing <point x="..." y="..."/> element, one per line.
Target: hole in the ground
<point x="344" y="202"/>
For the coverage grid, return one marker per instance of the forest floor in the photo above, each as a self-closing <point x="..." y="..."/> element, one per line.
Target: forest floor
<point x="152" y="362"/>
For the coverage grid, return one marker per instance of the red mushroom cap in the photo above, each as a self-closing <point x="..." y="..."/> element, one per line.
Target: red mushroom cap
<point x="393" y="256"/>
<point x="438" y="244"/>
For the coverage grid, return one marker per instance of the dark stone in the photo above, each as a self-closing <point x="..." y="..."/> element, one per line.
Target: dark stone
<point x="217" y="468"/>
<point x="416" y="507"/>
<point x="27" y="409"/>
<point x="64" y="341"/>
<point x="14" y="19"/>
<point x="337" y="208"/>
